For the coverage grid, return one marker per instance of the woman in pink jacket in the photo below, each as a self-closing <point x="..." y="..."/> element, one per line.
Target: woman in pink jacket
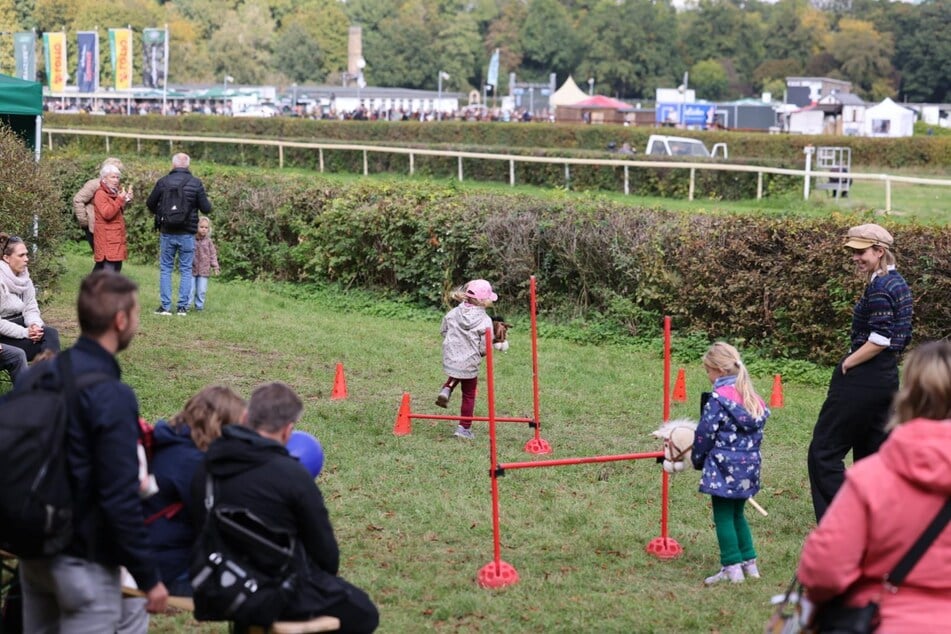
<point x="887" y="501"/>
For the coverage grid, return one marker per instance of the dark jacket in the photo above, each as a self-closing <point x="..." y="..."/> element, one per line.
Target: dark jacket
<point x="258" y="474"/>
<point x="195" y="198"/>
<point x="104" y="469"/>
<point x="175" y="459"/>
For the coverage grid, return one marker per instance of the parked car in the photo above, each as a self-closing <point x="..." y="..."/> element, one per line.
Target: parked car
<point x="663" y="145"/>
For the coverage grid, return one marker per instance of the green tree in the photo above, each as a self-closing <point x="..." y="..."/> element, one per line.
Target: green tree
<point x="863" y="53"/>
<point x="502" y="33"/>
<point x="8" y="24"/>
<point x="241" y="47"/>
<point x="923" y="50"/>
<point x="549" y="40"/>
<point x="709" y="79"/>
<point x="720" y="29"/>
<point x="795" y="30"/>
<point x="629" y="46"/>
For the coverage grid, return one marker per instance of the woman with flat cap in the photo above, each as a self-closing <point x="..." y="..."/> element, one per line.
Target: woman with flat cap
<point x="856" y="408"/>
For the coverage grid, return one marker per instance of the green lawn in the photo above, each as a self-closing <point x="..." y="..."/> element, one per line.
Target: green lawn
<point x="413" y="513"/>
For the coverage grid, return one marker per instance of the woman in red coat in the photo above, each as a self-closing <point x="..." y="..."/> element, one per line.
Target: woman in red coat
<point x="109" y="239"/>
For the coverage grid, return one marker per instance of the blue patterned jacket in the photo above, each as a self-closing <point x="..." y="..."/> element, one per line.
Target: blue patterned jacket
<point x="726" y="444"/>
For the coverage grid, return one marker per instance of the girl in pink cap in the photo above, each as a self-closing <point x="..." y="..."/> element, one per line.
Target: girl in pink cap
<point x="463" y="346"/>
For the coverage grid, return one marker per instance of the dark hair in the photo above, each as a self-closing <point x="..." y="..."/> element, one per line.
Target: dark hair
<point x="102" y="296"/>
<point x="8" y="241"/>
<point x="273" y="406"/>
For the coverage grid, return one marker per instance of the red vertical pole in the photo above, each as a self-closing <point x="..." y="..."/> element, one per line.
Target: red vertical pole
<point x="665" y="547"/>
<point x="534" y="314"/>
<point x="496" y="573"/>
<point x="493" y="455"/>
<point x="666" y="369"/>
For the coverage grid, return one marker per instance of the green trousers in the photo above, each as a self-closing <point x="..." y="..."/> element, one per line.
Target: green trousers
<point x="733" y="533"/>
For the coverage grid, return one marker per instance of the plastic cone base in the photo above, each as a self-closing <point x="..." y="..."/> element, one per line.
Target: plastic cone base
<point x="664" y="548"/>
<point x="403" y="426"/>
<point x="537" y="446"/>
<point x="497" y="576"/>
<point x="680" y="387"/>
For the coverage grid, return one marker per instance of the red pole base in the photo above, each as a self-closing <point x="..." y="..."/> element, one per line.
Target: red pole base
<point x="664" y="548"/>
<point x="497" y="576"/>
<point x="537" y="446"/>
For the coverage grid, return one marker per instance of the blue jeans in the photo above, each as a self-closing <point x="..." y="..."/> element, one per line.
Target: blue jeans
<point x="199" y="288"/>
<point x="184" y="245"/>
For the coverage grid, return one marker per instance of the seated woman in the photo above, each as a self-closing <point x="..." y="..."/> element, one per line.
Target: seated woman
<point x="178" y="448"/>
<point x="20" y="323"/>
<point x="885" y="504"/>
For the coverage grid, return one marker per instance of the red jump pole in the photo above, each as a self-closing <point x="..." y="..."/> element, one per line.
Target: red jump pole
<point x="665" y="547"/>
<point x="536" y="445"/>
<point x="496" y="573"/>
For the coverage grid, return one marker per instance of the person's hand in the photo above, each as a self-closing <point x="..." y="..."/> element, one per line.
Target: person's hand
<point x="217" y="271"/>
<point x="156" y="598"/>
<point x="34" y="332"/>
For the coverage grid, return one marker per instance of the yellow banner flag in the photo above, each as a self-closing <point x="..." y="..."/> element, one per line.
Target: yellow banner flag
<point x="120" y="44"/>
<point x="55" y="53"/>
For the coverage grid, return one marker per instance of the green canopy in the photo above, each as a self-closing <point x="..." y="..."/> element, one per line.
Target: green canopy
<point x="21" y="105"/>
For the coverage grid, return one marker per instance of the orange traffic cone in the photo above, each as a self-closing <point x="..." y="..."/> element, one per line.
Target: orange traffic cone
<point x="403" y="425"/>
<point x="776" y="398"/>
<point x="340" y="385"/>
<point x="680" y="387"/>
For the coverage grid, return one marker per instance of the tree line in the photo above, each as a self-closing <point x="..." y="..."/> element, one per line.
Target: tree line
<point x="730" y="48"/>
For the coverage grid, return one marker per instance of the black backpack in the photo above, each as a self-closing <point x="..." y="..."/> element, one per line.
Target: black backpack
<point x="36" y="507"/>
<point x="242" y="569"/>
<point x="173" y="210"/>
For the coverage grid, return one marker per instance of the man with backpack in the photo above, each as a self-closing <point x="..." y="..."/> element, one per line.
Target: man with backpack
<point x="249" y="468"/>
<point x="176" y="201"/>
<point x="77" y="588"/>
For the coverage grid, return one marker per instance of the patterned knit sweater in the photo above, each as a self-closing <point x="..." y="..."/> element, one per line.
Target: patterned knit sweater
<point x="883" y="314"/>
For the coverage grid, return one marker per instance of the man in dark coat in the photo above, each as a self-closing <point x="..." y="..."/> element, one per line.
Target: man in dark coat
<point x="177" y="240"/>
<point x="79" y="589"/>
<point x="252" y="469"/>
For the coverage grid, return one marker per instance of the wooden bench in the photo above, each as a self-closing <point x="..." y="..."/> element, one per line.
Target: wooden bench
<point x="313" y="626"/>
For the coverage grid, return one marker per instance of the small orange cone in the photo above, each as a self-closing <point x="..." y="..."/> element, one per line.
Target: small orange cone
<point x="776" y="398"/>
<point x="680" y="387"/>
<point x="340" y="385"/>
<point x="403" y="425"/>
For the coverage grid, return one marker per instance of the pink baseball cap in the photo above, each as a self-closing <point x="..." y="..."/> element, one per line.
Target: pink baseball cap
<point x="481" y="290"/>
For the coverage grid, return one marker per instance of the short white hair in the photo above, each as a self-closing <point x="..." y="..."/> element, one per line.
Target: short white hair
<point x="109" y="169"/>
<point x="181" y="160"/>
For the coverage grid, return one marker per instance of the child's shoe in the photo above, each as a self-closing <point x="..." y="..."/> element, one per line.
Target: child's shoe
<point x="749" y="568"/>
<point x="462" y="432"/>
<point x="443" y="399"/>
<point x="733" y="573"/>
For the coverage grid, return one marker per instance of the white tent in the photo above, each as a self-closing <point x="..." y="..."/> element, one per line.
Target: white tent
<point x="567" y="95"/>
<point x="888" y="119"/>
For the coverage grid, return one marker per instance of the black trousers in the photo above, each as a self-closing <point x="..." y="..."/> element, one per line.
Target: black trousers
<point x="852" y="418"/>
<point x="350" y="604"/>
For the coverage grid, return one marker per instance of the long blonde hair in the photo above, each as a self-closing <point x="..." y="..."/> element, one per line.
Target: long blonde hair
<point x="723" y="357"/>
<point x="926" y="385"/>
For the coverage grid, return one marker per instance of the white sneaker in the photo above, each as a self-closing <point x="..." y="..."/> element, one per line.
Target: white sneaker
<point x="749" y="569"/>
<point x="462" y="432"/>
<point x="733" y="573"/>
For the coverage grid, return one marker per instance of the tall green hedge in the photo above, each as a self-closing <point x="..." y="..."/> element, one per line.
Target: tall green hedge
<point x="784" y="284"/>
<point x="778" y="150"/>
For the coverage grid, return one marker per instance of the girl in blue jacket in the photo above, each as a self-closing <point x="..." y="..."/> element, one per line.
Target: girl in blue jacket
<point x="726" y="449"/>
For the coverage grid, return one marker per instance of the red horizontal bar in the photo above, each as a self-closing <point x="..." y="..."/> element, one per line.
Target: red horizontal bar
<point x="498" y="419"/>
<point x="567" y="461"/>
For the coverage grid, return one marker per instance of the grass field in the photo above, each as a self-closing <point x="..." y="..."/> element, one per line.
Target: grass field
<point x="413" y="513"/>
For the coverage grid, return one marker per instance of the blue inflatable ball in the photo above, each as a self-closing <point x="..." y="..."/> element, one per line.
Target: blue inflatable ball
<point x="306" y="448"/>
